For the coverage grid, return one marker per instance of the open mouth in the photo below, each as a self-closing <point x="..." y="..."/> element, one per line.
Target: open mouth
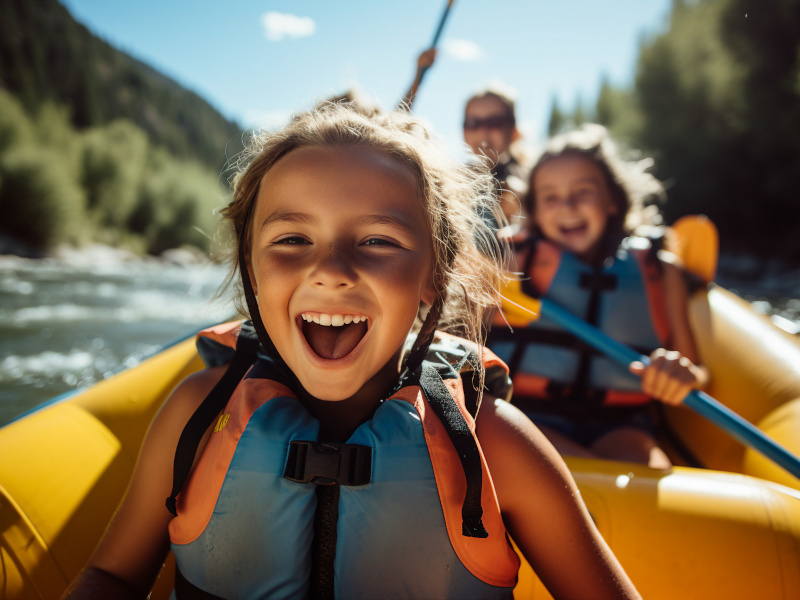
<point x="573" y="230"/>
<point x="333" y="336"/>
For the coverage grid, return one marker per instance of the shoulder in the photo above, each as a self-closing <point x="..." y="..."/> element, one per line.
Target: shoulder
<point x="179" y="407"/>
<point x="189" y="394"/>
<point x="518" y="454"/>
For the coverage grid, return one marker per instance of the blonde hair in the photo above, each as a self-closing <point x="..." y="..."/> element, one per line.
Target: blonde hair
<point x="635" y="191"/>
<point x="467" y="257"/>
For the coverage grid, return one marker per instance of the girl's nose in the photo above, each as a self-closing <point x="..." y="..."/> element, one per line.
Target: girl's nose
<point x="333" y="271"/>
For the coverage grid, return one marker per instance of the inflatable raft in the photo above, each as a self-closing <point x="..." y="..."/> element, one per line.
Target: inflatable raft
<point x="729" y="530"/>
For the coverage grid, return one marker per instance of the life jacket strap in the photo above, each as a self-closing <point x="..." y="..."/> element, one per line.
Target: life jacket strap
<point x="243" y="358"/>
<point x="326" y="463"/>
<point x="442" y="403"/>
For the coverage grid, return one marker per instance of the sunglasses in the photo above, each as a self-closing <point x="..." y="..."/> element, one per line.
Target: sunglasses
<point x="491" y="122"/>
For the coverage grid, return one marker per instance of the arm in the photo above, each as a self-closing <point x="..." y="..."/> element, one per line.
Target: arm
<point x="675" y="372"/>
<point x="543" y="510"/>
<point x="424" y="62"/>
<point x="129" y="557"/>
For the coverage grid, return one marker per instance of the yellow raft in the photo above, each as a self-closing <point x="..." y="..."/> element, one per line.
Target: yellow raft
<point x="732" y="532"/>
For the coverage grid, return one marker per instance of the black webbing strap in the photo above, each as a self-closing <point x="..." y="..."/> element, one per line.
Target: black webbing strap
<point x="244" y="356"/>
<point x="323" y="547"/>
<point x="460" y="435"/>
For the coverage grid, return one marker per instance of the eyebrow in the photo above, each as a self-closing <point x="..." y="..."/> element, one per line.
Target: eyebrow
<point x="306" y="219"/>
<point x="286" y="216"/>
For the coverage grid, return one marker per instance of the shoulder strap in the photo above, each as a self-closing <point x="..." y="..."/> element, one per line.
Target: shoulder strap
<point x="245" y="355"/>
<point x="442" y="403"/>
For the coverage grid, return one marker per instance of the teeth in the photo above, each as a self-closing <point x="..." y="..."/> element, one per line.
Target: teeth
<point x="332" y="320"/>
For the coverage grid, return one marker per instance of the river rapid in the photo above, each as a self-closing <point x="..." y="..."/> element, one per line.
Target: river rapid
<point x="70" y="321"/>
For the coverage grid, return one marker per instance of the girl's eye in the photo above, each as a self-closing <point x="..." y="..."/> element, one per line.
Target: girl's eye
<point x="291" y="240"/>
<point x="379" y="242"/>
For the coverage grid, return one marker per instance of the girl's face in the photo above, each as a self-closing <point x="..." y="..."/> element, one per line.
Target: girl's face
<point x="341" y="259"/>
<point x="573" y="204"/>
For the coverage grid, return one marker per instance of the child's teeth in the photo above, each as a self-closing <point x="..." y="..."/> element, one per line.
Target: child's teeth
<point x="332" y="320"/>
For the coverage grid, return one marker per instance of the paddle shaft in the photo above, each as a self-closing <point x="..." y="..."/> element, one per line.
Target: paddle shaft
<point x="436" y="36"/>
<point x="698" y="401"/>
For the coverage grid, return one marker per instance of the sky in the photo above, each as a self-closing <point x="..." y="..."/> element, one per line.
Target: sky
<point x="257" y="62"/>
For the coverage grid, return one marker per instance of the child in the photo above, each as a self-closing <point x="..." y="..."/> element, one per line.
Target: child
<point x="347" y="462"/>
<point x="584" y="202"/>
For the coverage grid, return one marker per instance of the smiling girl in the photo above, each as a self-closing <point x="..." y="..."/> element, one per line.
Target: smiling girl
<point x="584" y="204"/>
<point x="356" y="457"/>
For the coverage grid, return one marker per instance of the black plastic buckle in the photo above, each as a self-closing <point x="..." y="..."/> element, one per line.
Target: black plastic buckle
<point x="601" y="282"/>
<point x="327" y="463"/>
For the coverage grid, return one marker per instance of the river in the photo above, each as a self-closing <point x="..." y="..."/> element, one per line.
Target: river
<point x="70" y="321"/>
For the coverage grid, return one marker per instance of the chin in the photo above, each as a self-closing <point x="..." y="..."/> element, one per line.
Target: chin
<point x="331" y="391"/>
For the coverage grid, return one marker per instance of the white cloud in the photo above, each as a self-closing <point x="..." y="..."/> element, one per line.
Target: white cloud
<point x="278" y="26"/>
<point x="462" y="49"/>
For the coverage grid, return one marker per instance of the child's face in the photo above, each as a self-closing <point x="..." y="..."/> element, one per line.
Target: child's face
<point x="573" y="204"/>
<point x="487" y="127"/>
<point x="341" y="258"/>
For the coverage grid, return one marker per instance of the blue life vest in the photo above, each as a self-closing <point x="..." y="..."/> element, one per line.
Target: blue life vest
<point x="245" y="527"/>
<point x="552" y="369"/>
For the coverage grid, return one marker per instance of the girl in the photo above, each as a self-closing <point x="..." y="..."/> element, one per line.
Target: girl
<point x="347" y="462"/>
<point x="584" y="202"/>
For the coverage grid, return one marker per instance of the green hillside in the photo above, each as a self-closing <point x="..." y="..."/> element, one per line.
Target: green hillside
<point x="45" y="55"/>
<point x="96" y="146"/>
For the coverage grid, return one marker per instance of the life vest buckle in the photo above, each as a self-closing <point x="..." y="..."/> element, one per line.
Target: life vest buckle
<point x="328" y="463"/>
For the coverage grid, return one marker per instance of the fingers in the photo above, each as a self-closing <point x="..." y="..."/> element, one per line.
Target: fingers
<point x="669" y="377"/>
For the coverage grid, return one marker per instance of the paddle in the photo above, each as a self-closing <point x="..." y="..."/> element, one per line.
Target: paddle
<point x="517" y="305"/>
<point x="436" y="36"/>
<point x="696" y="242"/>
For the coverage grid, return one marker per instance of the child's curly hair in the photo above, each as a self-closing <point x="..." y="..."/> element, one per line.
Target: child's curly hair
<point x="635" y="191"/>
<point x="455" y="198"/>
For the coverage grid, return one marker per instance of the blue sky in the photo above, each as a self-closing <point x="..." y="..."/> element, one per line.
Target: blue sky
<point x="259" y="61"/>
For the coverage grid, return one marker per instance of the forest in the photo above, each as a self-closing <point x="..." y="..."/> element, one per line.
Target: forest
<point x="715" y="100"/>
<point x="716" y="103"/>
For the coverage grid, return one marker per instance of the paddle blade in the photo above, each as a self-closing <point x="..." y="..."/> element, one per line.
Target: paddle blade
<point x="695" y="239"/>
<point x="518" y="308"/>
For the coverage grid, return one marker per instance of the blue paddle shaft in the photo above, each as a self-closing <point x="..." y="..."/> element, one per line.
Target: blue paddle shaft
<point x="700" y="402"/>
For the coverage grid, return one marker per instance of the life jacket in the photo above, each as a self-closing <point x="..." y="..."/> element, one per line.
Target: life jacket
<point x="395" y="511"/>
<point x="554" y="372"/>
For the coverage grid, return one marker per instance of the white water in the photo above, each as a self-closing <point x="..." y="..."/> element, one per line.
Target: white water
<point x="69" y="322"/>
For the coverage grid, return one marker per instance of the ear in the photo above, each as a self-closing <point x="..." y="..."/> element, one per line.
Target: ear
<point x="515" y="135"/>
<point x="428" y="291"/>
